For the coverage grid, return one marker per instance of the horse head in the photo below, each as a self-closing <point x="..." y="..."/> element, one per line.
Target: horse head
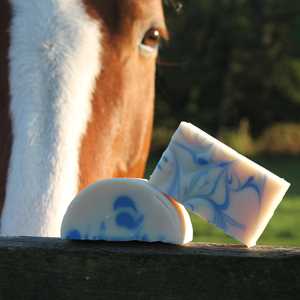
<point x="77" y="102"/>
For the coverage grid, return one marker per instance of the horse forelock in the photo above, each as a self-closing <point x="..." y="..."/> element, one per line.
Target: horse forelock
<point x="54" y="60"/>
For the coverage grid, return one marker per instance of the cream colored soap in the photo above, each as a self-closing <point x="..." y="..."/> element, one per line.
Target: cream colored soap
<point x="219" y="184"/>
<point x="126" y="210"/>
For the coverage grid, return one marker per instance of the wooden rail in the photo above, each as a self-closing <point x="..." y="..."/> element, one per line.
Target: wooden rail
<point x="42" y="268"/>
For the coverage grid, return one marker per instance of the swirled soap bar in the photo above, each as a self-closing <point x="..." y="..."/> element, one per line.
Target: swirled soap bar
<point x="126" y="210"/>
<point x="219" y="184"/>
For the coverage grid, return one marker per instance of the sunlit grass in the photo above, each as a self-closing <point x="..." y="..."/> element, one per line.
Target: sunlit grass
<point x="284" y="227"/>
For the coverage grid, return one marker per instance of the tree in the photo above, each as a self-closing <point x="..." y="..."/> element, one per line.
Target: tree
<point x="229" y="60"/>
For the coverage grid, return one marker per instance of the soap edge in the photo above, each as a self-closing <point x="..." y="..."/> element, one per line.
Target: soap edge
<point x="275" y="203"/>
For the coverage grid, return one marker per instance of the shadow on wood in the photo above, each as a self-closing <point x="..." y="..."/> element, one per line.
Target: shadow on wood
<point x="43" y="268"/>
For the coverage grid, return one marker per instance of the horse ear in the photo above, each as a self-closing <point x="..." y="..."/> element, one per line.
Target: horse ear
<point x="177" y="5"/>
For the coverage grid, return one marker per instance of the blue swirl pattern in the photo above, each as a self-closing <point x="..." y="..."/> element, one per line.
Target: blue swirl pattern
<point x="130" y="218"/>
<point x="209" y="186"/>
<point x="126" y="217"/>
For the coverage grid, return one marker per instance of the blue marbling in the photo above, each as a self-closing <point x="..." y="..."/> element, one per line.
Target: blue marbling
<point x="210" y="185"/>
<point x="73" y="235"/>
<point x="130" y="219"/>
<point x="126" y="216"/>
<point x="124" y="202"/>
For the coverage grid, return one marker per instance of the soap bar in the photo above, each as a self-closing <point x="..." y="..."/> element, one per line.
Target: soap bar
<point x="219" y="184"/>
<point x="126" y="210"/>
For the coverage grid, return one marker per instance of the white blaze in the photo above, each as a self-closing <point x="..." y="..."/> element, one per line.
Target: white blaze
<point x="54" y="61"/>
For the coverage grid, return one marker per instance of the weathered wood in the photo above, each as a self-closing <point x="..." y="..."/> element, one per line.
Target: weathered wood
<point x="39" y="268"/>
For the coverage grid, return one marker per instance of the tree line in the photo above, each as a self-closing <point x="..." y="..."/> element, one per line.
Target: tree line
<point x="230" y="60"/>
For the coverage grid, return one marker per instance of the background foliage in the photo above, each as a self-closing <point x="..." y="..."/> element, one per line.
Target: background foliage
<point x="231" y="60"/>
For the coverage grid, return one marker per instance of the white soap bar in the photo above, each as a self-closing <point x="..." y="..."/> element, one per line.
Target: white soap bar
<point x="126" y="210"/>
<point x="219" y="184"/>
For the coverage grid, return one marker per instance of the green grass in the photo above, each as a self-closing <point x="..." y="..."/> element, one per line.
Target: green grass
<point x="284" y="227"/>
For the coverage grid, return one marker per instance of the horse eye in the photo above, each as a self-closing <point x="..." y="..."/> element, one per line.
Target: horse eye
<point x="152" y="38"/>
<point x="151" y="41"/>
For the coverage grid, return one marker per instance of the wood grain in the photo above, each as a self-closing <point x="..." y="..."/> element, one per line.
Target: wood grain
<point x="44" y="268"/>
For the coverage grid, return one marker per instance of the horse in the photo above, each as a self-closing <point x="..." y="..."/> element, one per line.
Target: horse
<point x="77" y="99"/>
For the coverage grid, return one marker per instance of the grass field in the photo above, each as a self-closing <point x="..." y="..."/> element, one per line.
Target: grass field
<point x="284" y="228"/>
